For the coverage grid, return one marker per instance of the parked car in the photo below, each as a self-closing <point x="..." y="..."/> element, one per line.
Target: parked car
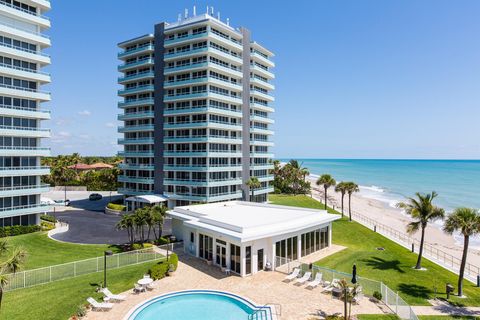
<point x="95" y="197"/>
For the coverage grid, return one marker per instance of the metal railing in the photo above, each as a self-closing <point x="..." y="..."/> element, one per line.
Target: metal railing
<point x="34" y="277"/>
<point x="266" y="312"/>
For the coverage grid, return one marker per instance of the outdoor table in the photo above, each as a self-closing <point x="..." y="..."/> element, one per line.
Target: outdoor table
<point x="144" y="282"/>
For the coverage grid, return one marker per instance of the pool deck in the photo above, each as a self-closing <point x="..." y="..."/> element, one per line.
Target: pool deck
<point x="296" y="302"/>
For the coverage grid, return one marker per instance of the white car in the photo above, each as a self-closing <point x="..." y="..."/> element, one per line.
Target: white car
<point x="47" y="201"/>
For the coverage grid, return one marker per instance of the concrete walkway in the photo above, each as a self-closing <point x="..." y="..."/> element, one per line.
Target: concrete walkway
<point x="296" y="302"/>
<point x="442" y="308"/>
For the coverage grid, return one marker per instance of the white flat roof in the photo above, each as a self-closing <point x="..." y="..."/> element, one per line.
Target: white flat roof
<point x="247" y="221"/>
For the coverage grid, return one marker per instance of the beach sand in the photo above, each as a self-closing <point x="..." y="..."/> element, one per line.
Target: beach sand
<point x="394" y="218"/>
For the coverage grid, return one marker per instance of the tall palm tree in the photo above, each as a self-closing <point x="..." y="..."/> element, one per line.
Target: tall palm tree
<point x="351" y="187"/>
<point x="342" y="188"/>
<point x="326" y="181"/>
<point x="423" y="211"/>
<point x="253" y="183"/>
<point x="159" y="213"/>
<point x="467" y="222"/>
<point x="140" y="220"/>
<point x="11" y="265"/>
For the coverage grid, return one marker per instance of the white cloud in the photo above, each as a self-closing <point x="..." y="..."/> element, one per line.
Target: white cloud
<point x="85" y="113"/>
<point x="64" y="134"/>
<point x="109" y="125"/>
<point x="62" y="122"/>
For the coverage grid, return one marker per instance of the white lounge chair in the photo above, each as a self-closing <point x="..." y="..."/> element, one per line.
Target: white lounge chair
<point x="138" y="288"/>
<point x="293" y="275"/>
<point x="101" y="306"/>
<point x="330" y="285"/>
<point x="316" y="281"/>
<point x="152" y="285"/>
<point x="304" y="279"/>
<point x="113" y="297"/>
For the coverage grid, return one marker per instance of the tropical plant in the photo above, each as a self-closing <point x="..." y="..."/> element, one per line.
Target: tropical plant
<point x="12" y="264"/>
<point x="467" y="222"/>
<point x="253" y="183"/>
<point x="349" y="293"/>
<point x="326" y="181"/>
<point x="126" y="223"/>
<point x="351" y="187"/>
<point x="159" y="212"/>
<point x="342" y="188"/>
<point x="423" y="211"/>
<point x="290" y="178"/>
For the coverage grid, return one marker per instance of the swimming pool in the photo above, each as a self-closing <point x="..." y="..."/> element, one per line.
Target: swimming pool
<point x="199" y="304"/>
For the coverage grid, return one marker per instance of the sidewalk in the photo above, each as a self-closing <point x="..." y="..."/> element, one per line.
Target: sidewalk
<point x="442" y="308"/>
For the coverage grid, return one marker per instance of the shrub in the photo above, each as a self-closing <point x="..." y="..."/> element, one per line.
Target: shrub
<point x="117" y="207"/>
<point x="47" y="226"/>
<point x="48" y="217"/>
<point x="161" y="269"/>
<point x="81" y="311"/>
<point x="138" y="246"/>
<point x="18" y="230"/>
<point x="377" y="295"/>
<point x="162" y="240"/>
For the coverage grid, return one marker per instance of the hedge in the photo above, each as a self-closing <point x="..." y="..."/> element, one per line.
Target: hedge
<point x="48" y="217"/>
<point x="17" y="230"/>
<point x="161" y="269"/>
<point x="117" y="207"/>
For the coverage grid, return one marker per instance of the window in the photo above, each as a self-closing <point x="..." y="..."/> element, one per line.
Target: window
<point x="248" y="260"/>
<point x="235" y="258"/>
<point x="192" y="237"/>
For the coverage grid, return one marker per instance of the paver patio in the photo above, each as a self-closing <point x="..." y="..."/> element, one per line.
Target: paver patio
<point x="296" y="302"/>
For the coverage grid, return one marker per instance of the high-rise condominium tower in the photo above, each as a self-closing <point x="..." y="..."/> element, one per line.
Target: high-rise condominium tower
<point x="196" y="110"/>
<point x="22" y="41"/>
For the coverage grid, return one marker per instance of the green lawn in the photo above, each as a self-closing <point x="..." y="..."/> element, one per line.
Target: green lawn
<point x="377" y="317"/>
<point x="43" y="251"/>
<point x="447" y="318"/>
<point x="393" y="266"/>
<point x="60" y="299"/>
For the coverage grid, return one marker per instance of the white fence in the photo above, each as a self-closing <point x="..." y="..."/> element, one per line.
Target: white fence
<point x="30" y="278"/>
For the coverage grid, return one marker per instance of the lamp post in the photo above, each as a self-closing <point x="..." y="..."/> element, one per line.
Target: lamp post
<point x="106" y="253"/>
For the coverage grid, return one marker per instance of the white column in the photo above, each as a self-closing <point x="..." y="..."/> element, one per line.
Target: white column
<point x="299" y="245"/>
<point x="330" y="235"/>
<point x="228" y="256"/>
<point x="197" y="244"/>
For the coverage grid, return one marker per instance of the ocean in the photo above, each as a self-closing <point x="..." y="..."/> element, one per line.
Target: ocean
<point x="457" y="182"/>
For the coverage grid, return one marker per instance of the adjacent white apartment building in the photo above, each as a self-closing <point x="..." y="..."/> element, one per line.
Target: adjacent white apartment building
<point x="196" y="106"/>
<point x="22" y="41"/>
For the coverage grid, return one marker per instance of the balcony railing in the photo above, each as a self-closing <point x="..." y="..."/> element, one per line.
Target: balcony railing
<point x="135" y="50"/>
<point x="8" y="86"/>
<point x="135" y="63"/>
<point x="24" y="30"/>
<point x="136" y="102"/>
<point x="24" y="148"/>
<point x="23" y="69"/>
<point x="29" y="206"/>
<point x="24" y="10"/>
<point x="24" y="168"/>
<point x="33" y="186"/>
<point x="138" y="75"/>
<point x="40" y="53"/>
<point x="5" y="106"/>
<point x="24" y="128"/>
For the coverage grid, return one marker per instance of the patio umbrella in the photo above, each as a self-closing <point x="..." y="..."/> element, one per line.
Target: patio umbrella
<point x="354" y="274"/>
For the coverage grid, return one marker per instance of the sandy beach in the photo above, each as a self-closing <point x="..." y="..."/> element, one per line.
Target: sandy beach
<point x="394" y="218"/>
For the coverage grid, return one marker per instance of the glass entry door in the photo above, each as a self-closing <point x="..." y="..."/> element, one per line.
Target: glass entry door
<point x="221" y="258"/>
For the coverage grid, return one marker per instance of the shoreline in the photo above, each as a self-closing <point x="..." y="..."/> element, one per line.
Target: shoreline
<point x="385" y="213"/>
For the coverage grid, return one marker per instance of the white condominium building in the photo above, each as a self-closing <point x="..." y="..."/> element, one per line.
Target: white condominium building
<point x="22" y="40"/>
<point x="196" y="106"/>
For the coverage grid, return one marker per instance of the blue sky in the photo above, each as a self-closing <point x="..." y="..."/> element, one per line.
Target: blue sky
<point x="355" y="79"/>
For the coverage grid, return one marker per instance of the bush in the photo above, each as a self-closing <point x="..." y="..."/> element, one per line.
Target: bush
<point x="48" y="217"/>
<point x="138" y="246"/>
<point x="117" y="207"/>
<point x="47" y="226"/>
<point x="377" y="295"/>
<point x="161" y="269"/>
<point x="18" y="230"/>
<point x="162" y="240"/>
<point x="81" y="311"/>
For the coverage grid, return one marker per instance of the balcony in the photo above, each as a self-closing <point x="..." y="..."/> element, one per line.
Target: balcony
<point x="136" y="141"/>
<point x="143" y="180"/>
<point x="209" y="109"/>
<point x="205" y="124"/>
<point x="261" y="71"/>
<point x="128" y="166"/>
<point x="25" y="151"/>
<point x="143" y="49"/>
<point x="262" y="83"/>
<point x="136" y="102"/>
<point x="134" y="154"/>
<point x="24" y="190"/>
<point x="258" y="142"/>
<point x="22" y="210"/>
<point x="225" y="196"/>
<point x="145" y="127"/>
<point x="268" y="166"/>
<point x="133" y="192"/>
<point x="203" y="80"/>
<point x="192" y="67"/>
<point x="35" y="94"/>
<point x="202" y="168"/>
<point x="28" y="54"/>
<point x="184" y="54"/>
<point x="140" y="89"/>
<point x="135" y="115"/>
<point x="14" y="111"/>
<point x="261" y="107"/>
<point x="261" y="119"/>
<point x="211" y="139"/>
<point x="266" y="178"/>
<point x="24" y="132"/>
<point x="261" y="130"/>
<point x="216" y="154"/>
<point x="19" y="72"/>
<point x="225" y="55"/>
<point x="261" y="155"/>
<point x="137" y="76"/>
<point x="206" y="94"/>
<point x="24" y="14"/>
<point x="24" y="171"/>
<point x="263" y="59"/>
<point x="263" y="191"/>
<point x="169" y="42"/>
<point x="136" y="64"/>
<point x="15" y="31"/>
<point x="262" y="95"/>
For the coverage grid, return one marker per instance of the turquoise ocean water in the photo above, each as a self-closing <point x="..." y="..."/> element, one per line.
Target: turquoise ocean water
<point x="456" y="181"/>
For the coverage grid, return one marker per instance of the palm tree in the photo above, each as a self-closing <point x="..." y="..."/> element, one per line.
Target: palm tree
<point x="327" y="181"/>
<point x="140" y="220"/>
<point x="467" y="222"/>
<point x="253" y="183"/>
<point x="159" y="213"/>
<point x="342" y="188"/>
<point x="422" y="211"/>
<point x="10" y="265"/>
<point x="351" y="187"/>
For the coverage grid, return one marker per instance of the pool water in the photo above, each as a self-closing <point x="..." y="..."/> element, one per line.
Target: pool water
<point x="195" y="305"/>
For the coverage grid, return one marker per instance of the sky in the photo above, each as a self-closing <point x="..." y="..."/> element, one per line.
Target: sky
<point x="354" y="79"/>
